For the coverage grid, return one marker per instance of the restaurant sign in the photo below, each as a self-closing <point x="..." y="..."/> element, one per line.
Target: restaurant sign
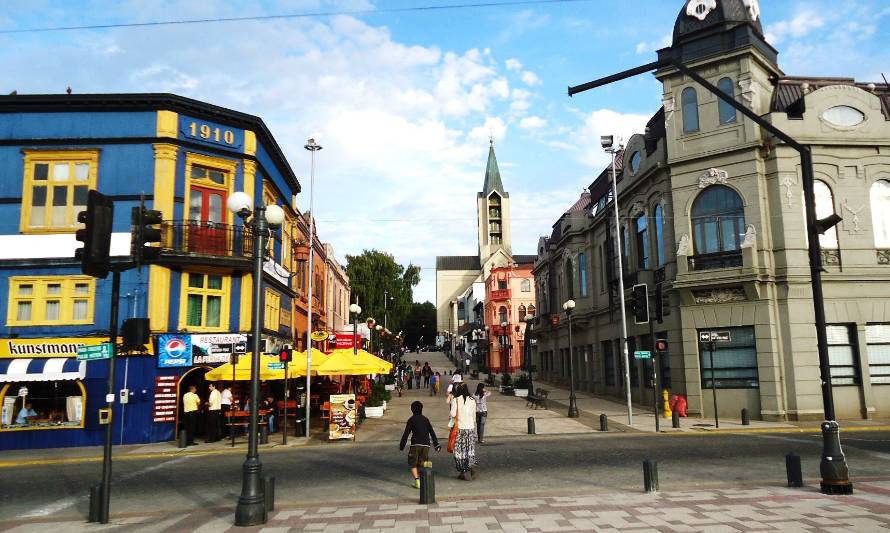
<point x="165" y="399"/>
<point x="344" y="340"/>
<point x="217" y="348"/>
<point x="46" y="347"/>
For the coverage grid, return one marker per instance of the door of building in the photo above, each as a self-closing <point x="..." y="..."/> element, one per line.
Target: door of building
<point x="207" y="232"/>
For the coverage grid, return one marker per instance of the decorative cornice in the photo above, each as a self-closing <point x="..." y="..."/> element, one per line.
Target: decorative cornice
<point x="719" y="296"/>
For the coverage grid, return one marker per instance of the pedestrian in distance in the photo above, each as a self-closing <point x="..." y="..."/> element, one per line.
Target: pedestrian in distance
<point x="463" y="416"/>
<point x="422" y="436"/>
<point x="427" y="372"/>
<point x="417" y="374"/>
<point x="214" y="404"/>
<point x="269" y="405"/>
<point x="190" y="404"/>
<point x="438" y="386"/>
<point x="432" y="384"/>
<point x="481" y="410"/>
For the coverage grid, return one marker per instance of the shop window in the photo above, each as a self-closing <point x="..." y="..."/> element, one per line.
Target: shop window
<point x="659" y="235"/>
<point x="582" y="274"/>
<point x="205" y="304"/>
<point x="735" y="362"/>
<point x="877" y="337"/>
<point x="689" y="100"/>
<point x="642" y="227"/>
<point x="55" y="188"/>
<point x="726" y="111"/>
<point x="842" y="355"/>
<point x="880" y="212"/>
<point x="53" y="300"/>
<point x="272" y="310"/>
<point x="54" y="405"/>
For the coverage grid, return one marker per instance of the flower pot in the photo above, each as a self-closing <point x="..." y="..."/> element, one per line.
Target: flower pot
<point x="520" y="392"/>
<point x="374" y="412"/>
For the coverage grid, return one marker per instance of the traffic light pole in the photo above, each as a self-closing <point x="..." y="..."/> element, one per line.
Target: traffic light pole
<point x="286" y="398"/>
<point x="106" y="457"/>
<point x="654" y="360"/>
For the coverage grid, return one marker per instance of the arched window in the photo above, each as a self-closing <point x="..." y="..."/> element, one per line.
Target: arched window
<point x="625" y="247"/>
<point x="531" y="310"/>
<point x="689" y="99"/>
<point x="824" y="208"/>
<point x="880" y="212"/>
<point x="569" y="280"/>
<point x="659" y="234"/>
<point x="642" y="234"/>
<point x="502" y="315"/>
<point x="526" y="286"/>
<point x="718" y="220"/>
<point x="726" y="111"/>
<point x="521" y="312"/>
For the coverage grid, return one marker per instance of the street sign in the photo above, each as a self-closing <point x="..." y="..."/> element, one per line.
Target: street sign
<point x="714" y="336"/>
<point x="98" y="351"/>
<point x="275" y="366"/>
<point x="642" y="354"/>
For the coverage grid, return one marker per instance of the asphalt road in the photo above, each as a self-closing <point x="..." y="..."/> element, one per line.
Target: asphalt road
<point x="350" y="472"/>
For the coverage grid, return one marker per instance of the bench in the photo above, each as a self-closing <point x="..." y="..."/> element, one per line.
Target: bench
<point x="538" y="399"/>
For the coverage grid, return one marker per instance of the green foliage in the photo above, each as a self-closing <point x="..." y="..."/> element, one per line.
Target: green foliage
<point x="506" y="380"/>
<point x="522" y="382"/>
<point x="379" y="394"/>
<point x="375" y="276"/>
<point x="421" y="322"/>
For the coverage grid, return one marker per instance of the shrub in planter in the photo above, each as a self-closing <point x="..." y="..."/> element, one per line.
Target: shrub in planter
<point x="506" y="380"/>
<point x="522" y="381"/>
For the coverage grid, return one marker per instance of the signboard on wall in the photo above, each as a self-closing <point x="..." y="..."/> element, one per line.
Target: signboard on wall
<point x="174" y="350"/>
<point x="46" y="347"/>
<point x="165" y="399"/>
<point x="344" y="340"/>
<point x="216" y="348"/>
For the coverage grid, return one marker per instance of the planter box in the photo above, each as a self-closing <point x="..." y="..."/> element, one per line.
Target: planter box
<point x="520" y="392"/>
<point x="374" y="412"/>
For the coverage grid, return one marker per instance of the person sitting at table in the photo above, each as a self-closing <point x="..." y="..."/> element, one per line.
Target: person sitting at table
<point x="26" y="414"/>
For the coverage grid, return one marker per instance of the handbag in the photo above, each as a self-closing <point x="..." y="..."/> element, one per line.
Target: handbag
<point x="452" y="437"/>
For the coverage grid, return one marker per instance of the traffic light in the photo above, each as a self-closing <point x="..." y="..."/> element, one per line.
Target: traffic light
<point x="95" y="235"/>
<point x="661" y="345"/>
<point x="285" y="354"/>
<point x="143" y="232"/>
<point x="641" y="303"/>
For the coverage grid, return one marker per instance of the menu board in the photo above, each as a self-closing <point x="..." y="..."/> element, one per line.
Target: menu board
<point x="165" y="399"/>
<point x="342" y="425"/>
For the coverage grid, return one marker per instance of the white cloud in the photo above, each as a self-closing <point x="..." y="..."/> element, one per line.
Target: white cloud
<point x="644" y="47"/>
<point x="801" y="24"/>
<point x="530" y="78"/>
<point x="604" y="122"/>
<point x="532" y="123"/>
<point x="494" y="127"/>
<point x="513" y="64"/>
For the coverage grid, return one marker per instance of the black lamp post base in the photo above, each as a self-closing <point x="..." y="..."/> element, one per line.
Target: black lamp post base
<point x="251" y="509"/>
<point x="573" y="408"/>
<point x="833" y="467"/>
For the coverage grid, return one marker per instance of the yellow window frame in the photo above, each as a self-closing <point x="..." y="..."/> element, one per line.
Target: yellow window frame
<point x="224" y="292"/>
<point x="272" y="311"/>
<point x="40" y="296"/>
<point x="50" y="157"/>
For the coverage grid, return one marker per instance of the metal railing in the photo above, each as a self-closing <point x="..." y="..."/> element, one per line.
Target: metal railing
<point x="732" y="258"/>
<point x="191" y="237"/>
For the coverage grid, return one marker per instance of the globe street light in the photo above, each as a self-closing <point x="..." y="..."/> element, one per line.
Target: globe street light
<point x="568" y="307"/>
<point x="355" y="310"/>
<point x="251" y="509"/>
<point x="312" y="147"/>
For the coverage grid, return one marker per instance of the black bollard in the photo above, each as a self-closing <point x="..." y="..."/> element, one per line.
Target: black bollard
<point x="650" y="475"/>
<point x="604" y="422"/>
<point x="264" y="434"/>
<point x="531" y="425"/>
<point x="675" y="420"/>
<point x="792" y="467"/>
<point x="95" y="503"/>
<point x="269" y="490"/>
<point x="427" y="484"/>
<point x="746" y="421"/>
<point x="183" y="439"/>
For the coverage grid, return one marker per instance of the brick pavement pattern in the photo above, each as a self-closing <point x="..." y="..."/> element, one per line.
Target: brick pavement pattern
<point x="707" y="511"/>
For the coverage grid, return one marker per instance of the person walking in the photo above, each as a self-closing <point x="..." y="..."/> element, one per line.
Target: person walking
<point x="214" y="404"/>
<point x="427" y="372"/>
<point x="422" y="433"/>
<point x="433" y="382"/>
<point x="417" y="374"/>
<point x="449" y="394"/>
<point x="190" y="404"/>
<point x="438" y="383"/>
<point x="463" y="415"/>
<point x="481" y="410"/>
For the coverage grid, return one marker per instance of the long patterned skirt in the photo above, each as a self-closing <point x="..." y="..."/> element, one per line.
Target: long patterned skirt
<point x="465" y="450"/>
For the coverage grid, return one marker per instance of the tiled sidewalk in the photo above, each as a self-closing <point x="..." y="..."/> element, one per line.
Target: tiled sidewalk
<point x="712" y="511"/>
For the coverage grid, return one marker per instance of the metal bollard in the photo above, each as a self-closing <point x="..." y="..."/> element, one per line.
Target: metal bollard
<point x="746" y="421"/>
<point x="269" y="490"/>
<point x="264" y="434"/>
<point x="650" y="475"/>
<point x="675" y="420"/>
<point x="427" y="484"/>
<point x="604" y="422"/>
<point x="531" y="425"/>
<point x="792" y="468"/>
<point x="95" y="503"/>
<point x="183" y="439"/>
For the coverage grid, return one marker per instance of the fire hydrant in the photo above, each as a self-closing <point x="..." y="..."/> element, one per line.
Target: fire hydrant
<point x="666" y="403"/>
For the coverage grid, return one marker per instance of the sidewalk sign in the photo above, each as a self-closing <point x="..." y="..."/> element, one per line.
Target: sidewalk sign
<point x="342" y="425"/>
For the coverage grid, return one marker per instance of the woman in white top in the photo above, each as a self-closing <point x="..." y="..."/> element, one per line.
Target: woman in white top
<point x="463" y="409"/>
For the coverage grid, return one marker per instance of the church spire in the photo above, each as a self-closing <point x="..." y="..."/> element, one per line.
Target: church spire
<point x="492" y="173"/>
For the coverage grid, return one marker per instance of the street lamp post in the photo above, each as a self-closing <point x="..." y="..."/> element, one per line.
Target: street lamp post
<point x="529" y="319"/>
<point x="379" y="329"/>
<point x="569" y="306"/>
<point x="251" y="509"/>
<point x="313" y="147"/>
<point x="504" y="330"/>
<point x="355" y="310"/>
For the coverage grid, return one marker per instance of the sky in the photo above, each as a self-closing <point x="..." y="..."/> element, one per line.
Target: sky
<point x="404" y="102"/>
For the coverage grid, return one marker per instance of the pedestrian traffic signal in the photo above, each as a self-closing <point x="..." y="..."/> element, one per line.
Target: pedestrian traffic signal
<point x="285" y="354"/>
<point x="661" y="345"/>
<point x="641" y="303"/>
<point x="95" y="235"/>
<point x="143" y="232"/>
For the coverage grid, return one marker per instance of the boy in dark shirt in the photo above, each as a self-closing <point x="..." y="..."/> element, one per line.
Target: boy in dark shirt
<point x="420" y="429"/>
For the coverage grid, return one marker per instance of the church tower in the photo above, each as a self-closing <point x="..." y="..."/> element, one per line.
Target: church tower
<point x="493" y="209"/>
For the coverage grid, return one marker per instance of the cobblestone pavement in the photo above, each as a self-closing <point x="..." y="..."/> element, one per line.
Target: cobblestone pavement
<point x="711" y="511"/>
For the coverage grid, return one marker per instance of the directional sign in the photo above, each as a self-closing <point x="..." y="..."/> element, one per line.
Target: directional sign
<point x="714" y="336"/>
<point x="642" y="354"/>
<point x="275" y="366"/>
<point x="98" y="351"/>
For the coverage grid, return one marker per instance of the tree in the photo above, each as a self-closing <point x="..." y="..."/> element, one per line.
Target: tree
<point x="421" y="322"/>
<point x="374" y="276"/>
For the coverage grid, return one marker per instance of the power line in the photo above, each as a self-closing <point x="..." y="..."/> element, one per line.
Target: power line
<point x="316" y="14"/>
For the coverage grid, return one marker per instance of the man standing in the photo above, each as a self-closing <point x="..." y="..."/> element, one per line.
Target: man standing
<point x="214" y="404"/>
<point x="190" y="403"/>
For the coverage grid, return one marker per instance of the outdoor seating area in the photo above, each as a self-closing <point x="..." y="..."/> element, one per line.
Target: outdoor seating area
<point x="538" y="398"/>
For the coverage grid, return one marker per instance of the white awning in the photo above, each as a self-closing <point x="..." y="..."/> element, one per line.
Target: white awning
<point x="42" y="369"/>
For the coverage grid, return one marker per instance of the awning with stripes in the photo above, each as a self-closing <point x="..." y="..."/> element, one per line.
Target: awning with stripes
<point x="42" y="369"/>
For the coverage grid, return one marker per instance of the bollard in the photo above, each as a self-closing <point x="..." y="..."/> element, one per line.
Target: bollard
<point x="792" y="467"/>
<point x="650" y="475"/>
<point x="604" y="422"/>
<point x="269" y="490"/>
<point x="264" y="434"/>
<point x="183" y="439"/>
<point x="746" y="421"/>
<point x="427" y="484"/>
<point x="675" y="420"/>
<point x="531" y="425"/>
<point x="95" y="503"/>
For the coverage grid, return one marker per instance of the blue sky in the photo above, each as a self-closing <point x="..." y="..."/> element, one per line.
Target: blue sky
<point x="404" y="103"/>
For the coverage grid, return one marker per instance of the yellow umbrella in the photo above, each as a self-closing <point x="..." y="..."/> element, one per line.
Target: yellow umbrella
<point x="344" y="362"/>
<point x="297" y="366"/>
<point x="242" y="369"/>
<point x="370" y="359"/>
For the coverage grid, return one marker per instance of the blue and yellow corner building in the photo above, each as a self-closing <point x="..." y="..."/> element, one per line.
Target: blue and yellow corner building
<point x="180" y="156"/>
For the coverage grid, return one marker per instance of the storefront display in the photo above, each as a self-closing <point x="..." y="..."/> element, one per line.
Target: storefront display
<point x="342" y="424"/>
